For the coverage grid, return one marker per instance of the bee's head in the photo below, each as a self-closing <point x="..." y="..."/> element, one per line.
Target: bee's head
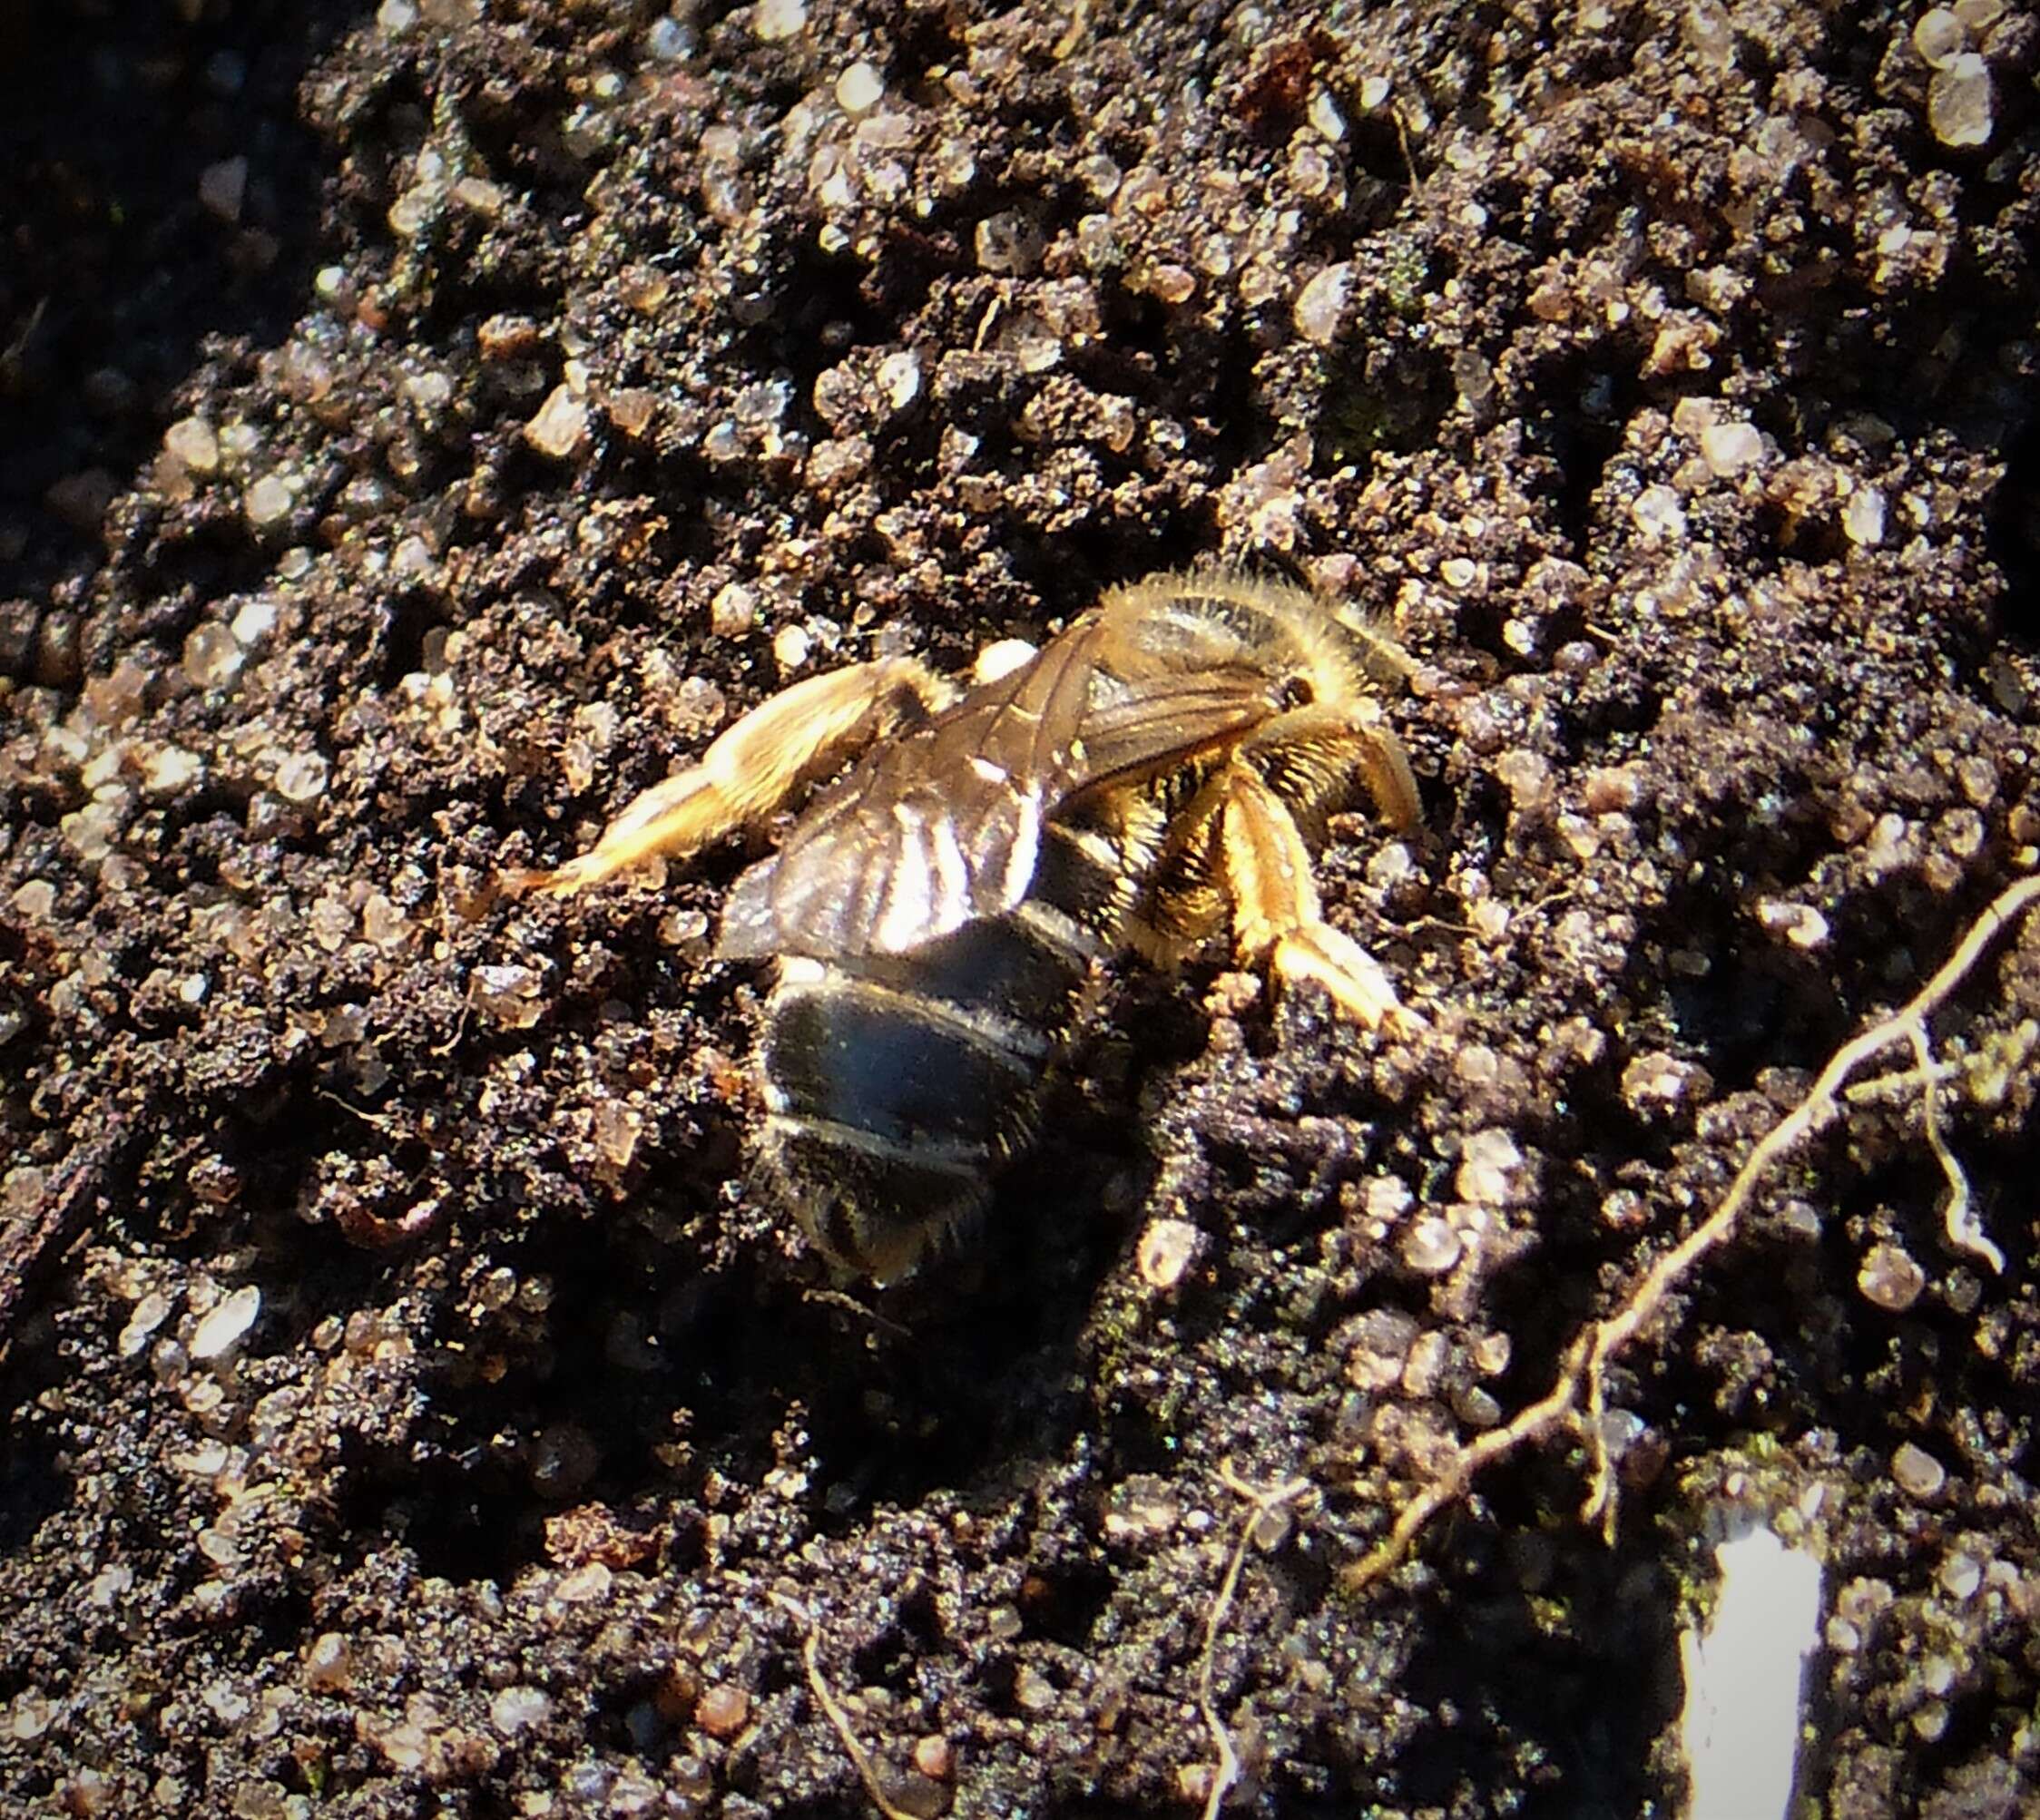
<point x="861" y="1238"/>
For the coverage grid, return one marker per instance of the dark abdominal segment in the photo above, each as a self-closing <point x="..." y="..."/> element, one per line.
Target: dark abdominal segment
<point x="896" y="1084"/>
<point x="907" y="1073"/>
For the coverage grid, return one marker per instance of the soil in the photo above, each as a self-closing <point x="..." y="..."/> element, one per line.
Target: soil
<point x="423" y="427"/>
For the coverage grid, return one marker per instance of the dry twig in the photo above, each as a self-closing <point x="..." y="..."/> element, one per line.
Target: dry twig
<point x="1578" y="1399"/>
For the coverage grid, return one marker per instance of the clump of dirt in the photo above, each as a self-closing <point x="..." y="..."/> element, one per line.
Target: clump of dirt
<point x="424" y="430"/>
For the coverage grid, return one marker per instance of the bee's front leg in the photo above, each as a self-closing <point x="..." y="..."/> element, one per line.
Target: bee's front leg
<point x="754" y="766"/>
<point x="1276" y="915"/>
<point x="1339" y="739"/>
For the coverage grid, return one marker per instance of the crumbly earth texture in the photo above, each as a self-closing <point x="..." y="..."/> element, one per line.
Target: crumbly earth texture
<point x="423" y="429"/>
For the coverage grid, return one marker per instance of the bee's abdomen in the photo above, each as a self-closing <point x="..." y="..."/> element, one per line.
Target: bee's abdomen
<point x="895" y="1085"/>
<point x="903" y="1068"/>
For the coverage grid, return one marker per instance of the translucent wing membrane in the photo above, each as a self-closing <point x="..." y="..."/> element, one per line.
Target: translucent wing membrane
<point x="1147" y="726"/>
<point x="930" y="830"/>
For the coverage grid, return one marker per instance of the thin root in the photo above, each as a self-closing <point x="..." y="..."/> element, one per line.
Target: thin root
<point x="1264" y="1499"/>
<point x="1958" y="1218"/>
<point x="838" y="1718"/>
<point x="1578" y="1399"/>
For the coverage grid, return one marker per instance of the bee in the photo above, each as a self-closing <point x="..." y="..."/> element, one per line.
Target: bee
<point x="941" y="915"/>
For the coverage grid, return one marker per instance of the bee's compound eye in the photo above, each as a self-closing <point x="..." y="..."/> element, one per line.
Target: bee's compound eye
<point x="1297" y="692"/>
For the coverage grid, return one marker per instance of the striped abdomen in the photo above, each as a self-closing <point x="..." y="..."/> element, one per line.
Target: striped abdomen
<point x="896" y="1085"/>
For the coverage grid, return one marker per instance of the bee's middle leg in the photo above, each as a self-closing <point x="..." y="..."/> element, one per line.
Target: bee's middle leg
<point x="755" y="765"/>
<point x="1276" y="914"/>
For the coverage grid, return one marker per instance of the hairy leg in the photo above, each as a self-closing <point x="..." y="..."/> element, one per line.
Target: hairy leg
<point x="1328" y="741"/>
<point x="1276" y="915"/>
<point x="755" y="765"/>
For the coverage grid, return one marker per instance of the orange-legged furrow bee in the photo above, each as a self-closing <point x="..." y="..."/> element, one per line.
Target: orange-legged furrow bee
<point x="1154" y="773"/>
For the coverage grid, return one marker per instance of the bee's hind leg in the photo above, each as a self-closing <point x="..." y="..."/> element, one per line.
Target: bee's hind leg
<point x="754" y="766"/>
<point x="1276" y="915"/>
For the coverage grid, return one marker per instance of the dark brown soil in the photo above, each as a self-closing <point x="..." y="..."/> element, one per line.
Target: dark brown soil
<point x="541" y="391"/>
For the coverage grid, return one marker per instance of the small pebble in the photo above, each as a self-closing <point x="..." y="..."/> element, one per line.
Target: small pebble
<point x="414" y="212"/>
<point x="733" y="611"/>
<point x="1612" y="788"/>
<point x="1890" y="1278"/>
<point x="211" y="654"/>
<point x="1960" y="1576"/>
<point x="1007" y="242"/>
<point x="667" y="41"/>
<point x="632" y="409"/>
<point x="617" y="1130"/>
<point x="171" y="771"/>
<point x="1862" y="517"/>
<point x="1729" y="448"/>
<point x="30" y="1717"/>
<point x="1526" y="775"/>
<point x="329" y="1664"/>
<point x="225" y="1325"/>
<point x="301" y="776"/>
<point x="860" y="88"/>
<point x="1657" y="513"/>
<point x="1800" y="923"/>
<point x="774" y="21"/>
<point x="1166" y="1251"/>
<point x="560" y="427"/>
<point x="255" y="619"/>
<point x="268" y="501"/>
<point x="722" y="1710"/>
<point x="506" y="336"/>
<point x="1321" y="303"/>
<point x="1430" y="1247"/>
<point x="1959" y="103"/>
<point x="146" y="1317"/>
<point x="1386" y="1198"/>
<point x="219" y="1549"/>
<point x="518" y="1708"/>
<point x="192" y="442"/>
<point x="1658" y="1084"/>
<point x="899" y="379"/>
<point x="205" y="1461"/>
<point x="1916" y="1471"/>
<point x="1488" y="1162"/>
<point x="791" y="647"/>
<point x="590" y="1581"/>
<point x="480" y="195"/>
<point x="1939" y="37"/>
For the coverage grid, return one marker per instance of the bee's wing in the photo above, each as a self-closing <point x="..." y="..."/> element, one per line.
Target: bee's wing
<point x="930" y="830"/>
<point x="1142" y="726"/>
<point x="943" y="826"/>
